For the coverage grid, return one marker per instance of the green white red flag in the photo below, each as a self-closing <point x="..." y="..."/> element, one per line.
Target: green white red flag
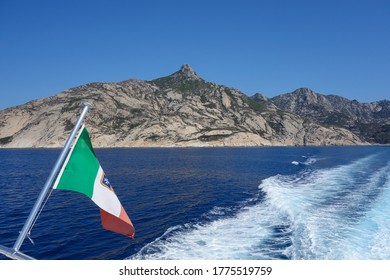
<point x="82" y="173"/>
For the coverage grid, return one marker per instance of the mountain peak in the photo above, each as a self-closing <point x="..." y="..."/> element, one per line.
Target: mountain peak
<point x="186" y="72"/>
<point x="303" y="91"/>
<point x="186" y="68"/>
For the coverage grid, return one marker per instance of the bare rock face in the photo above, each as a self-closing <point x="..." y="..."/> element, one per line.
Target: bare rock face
<point x="371" y="121"/>
<point x="175" y="111"/>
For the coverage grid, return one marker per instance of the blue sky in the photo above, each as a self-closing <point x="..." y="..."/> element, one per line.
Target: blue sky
<point x="267" y="46"/>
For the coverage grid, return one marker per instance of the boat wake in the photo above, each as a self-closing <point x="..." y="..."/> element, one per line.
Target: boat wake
<point x="307" y="161"/>
<point x="335" y="213"/>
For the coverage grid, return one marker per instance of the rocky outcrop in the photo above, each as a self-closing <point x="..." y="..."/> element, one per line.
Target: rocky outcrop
<point x="371" y="121"/>
<point x="180" y="110"/>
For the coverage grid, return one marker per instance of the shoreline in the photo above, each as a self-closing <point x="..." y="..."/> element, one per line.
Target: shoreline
<point x="201" y="147"/>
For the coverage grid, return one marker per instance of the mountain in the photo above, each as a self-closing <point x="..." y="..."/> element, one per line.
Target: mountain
<point x="181" y="109"/>
<point x="371" y="121"/>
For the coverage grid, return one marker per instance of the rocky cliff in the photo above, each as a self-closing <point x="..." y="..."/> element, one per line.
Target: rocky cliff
<point x="178" y="110"/>
<point x="371" y="121"/>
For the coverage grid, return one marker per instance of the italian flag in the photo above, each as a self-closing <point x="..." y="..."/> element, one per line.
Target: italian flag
<point x="81" y="172"/>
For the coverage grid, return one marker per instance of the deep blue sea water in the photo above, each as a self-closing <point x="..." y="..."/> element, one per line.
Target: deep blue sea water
<point x="210" y="203"/>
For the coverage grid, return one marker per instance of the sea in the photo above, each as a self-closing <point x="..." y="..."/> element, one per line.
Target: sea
<point x="266" y="203"/>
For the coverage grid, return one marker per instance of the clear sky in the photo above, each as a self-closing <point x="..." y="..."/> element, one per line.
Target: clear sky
<point x="267" y="46"/>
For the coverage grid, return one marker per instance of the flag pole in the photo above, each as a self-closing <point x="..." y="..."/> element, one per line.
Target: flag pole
<point x="49" y="182"/>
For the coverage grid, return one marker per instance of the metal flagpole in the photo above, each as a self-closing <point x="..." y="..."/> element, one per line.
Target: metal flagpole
<point x="49" y="182"/>
<point x="15" y="255"/>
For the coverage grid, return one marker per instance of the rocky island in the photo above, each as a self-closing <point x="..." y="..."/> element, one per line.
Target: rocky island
<point x="184" y="110"/>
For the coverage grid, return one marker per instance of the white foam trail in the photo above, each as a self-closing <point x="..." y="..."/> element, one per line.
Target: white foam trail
<point x="336" y="213"/>
<point x="325" y="207"/>
<point x="370" y="238"/>
<point x="229" y="238"/>
<point x="308" y="161"/>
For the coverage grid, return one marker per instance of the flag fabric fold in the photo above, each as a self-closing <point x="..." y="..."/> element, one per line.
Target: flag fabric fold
<point x="81" y="172"/>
